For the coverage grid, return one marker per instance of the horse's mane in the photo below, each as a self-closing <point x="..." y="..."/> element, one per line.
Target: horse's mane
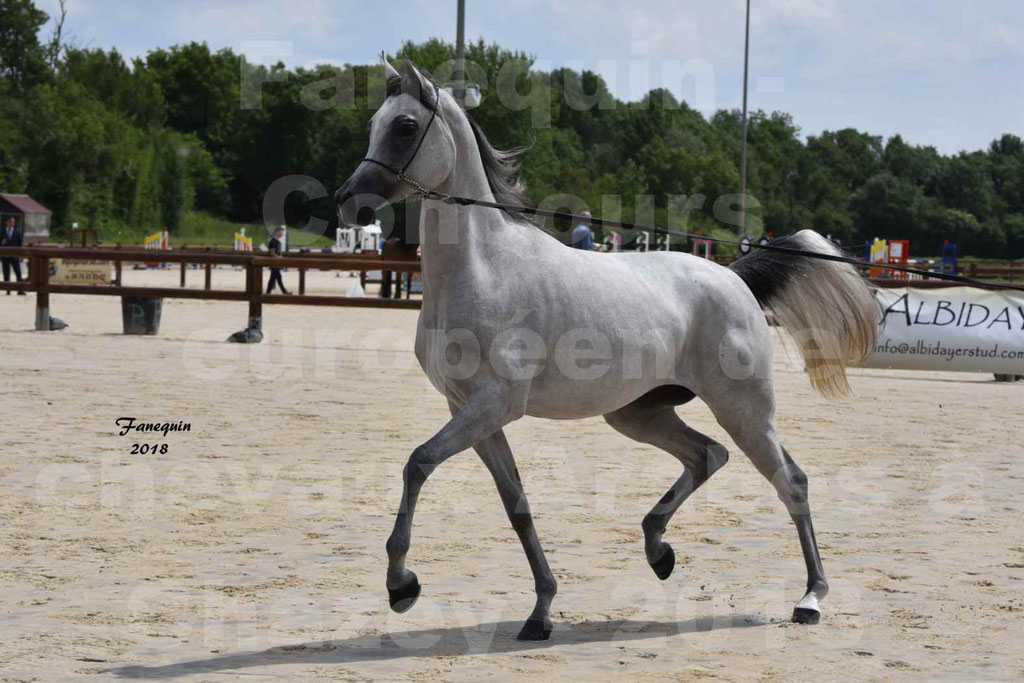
<point x="502" y="170"/>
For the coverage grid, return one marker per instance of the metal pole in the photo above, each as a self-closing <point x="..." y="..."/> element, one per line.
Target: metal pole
<point x="743" y="145"/>
<point x="460" y="51"/>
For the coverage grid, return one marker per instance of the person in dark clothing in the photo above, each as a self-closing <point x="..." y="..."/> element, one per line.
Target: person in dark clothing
<point x="395" y="250"/>
<point x="10" y="236"/>
<point x="276" y="248"/>
<point x="401" y="245"/>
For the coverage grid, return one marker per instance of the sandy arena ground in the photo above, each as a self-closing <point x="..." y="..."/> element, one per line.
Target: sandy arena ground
<point x="254" y="547"/>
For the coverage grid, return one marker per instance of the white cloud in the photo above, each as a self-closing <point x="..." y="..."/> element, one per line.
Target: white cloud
<point x="821" y="16"/>
<point x="1004" y="37"/>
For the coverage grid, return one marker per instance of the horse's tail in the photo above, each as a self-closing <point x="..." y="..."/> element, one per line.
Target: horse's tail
<point x="824" y="305"/>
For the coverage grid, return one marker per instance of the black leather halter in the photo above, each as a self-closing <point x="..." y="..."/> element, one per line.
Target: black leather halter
<point x="400" y="173"/>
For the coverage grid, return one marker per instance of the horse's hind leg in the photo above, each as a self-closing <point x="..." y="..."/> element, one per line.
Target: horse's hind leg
<point x="652" y="420"/>
<point x="751" y="428"/>
<point x="807" y="611"/>
<point x="497" y="456"/>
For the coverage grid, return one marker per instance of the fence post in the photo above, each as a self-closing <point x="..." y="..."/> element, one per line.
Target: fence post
<point x="182" y="273"/>
<point x="206" y="284"/>
<point x="255" y="292"/>
<point x="42" y="277"/>
<point x="302" y="280"/>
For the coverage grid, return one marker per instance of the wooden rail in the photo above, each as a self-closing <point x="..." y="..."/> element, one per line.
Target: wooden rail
<point x="39" y="276"/>
<point x="1010" y="272"/>
<point x="39" y="259"/>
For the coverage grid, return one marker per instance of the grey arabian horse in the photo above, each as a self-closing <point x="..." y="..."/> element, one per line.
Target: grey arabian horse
<point x="515" y="323"/>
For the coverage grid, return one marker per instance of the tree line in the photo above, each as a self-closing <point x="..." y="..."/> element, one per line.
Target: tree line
<point x="111" y="142"/>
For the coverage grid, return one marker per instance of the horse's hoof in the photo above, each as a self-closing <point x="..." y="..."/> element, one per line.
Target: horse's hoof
<point x="664" y="565"/>
<point x="535" y="629"/>
<point x="805" y="615"/>
<point x="402" y="599"/>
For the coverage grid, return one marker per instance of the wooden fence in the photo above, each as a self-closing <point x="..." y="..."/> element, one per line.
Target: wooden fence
<point x="39" y="259"/>
<point x="1013" y="271"/>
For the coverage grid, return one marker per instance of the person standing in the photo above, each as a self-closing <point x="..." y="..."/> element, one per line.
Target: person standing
<point x="275" y="247"/>
<point x="582" y="237"/>
<point x="11" y="237"/>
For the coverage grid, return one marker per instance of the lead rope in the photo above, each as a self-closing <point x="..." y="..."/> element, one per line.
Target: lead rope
<point x="511" y="208"/>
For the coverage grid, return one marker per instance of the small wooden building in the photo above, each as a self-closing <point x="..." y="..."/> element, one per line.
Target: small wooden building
<point x="31" y="217"/>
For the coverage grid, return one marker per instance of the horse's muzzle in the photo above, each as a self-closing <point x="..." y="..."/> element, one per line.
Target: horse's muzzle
<point x="359" y="198"/>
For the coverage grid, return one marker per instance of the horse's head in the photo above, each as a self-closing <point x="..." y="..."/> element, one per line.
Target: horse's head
<point x="410" y="143"/>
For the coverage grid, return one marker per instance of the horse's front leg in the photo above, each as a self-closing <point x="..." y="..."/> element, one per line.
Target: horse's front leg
<point x="497" y="456"/>
<point x="482" y="415"/>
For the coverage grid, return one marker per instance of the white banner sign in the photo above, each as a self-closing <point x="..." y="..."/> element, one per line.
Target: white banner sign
<point x="81" y="272"/>
<point x="957" y="329"/>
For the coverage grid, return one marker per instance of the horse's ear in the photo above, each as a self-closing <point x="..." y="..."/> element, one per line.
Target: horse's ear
<point x="389" y="71"/>
<point x="416" y="84"/>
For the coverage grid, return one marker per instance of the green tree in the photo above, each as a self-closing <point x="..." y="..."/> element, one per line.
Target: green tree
<point x="108" y="143"/>
<point x="22" y="58"/>
<point x="887" y="206"/>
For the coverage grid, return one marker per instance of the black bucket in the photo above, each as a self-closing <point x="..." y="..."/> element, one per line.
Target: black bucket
<point x="141" y="315"/>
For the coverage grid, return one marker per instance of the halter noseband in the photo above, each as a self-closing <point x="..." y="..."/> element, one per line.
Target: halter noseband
<point x="400" y="174"/>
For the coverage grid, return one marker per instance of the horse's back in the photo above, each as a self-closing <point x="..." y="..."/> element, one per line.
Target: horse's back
<point x="650" y="319"/>
<point x="694" y="282"/>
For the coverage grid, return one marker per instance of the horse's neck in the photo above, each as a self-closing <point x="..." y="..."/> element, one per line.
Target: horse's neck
<point x="458" y="241"/>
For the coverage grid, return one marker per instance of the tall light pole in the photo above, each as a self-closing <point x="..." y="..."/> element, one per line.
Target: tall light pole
<point x="460" y="49"/>
<point x="466" y="94"/>
<point x="743" y="145"/>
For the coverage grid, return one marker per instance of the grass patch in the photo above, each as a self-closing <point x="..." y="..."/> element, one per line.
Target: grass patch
<point x="200" y="229"/>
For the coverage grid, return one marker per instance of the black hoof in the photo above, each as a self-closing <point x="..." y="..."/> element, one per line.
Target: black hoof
<point x="535" y="629"/>
<point x="803" y="615"/>
<point x="402" y="599"/>
<point x="664" y="565"/>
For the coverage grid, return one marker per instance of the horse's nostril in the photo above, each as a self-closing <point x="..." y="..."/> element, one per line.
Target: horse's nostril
<point x="365" y="215"/>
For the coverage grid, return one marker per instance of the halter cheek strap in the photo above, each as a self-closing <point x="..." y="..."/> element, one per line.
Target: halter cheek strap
<point x="400" y="173"/>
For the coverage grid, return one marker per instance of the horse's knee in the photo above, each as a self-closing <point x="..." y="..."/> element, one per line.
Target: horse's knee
<point x="717" y="456"/>
<point x="705" y="461"/>
<point x="419" y="466"/>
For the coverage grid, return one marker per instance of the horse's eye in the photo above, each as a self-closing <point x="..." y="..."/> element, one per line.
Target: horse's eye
<point x="407" y="126"/>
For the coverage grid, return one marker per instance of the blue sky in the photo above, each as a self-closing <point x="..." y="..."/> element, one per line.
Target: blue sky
<point x="941" y="72"/>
